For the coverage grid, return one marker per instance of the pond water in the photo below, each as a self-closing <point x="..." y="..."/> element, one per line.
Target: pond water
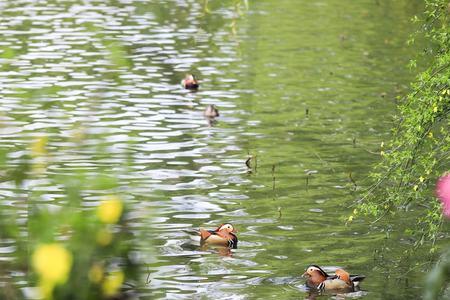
<point x="306" y="87"/>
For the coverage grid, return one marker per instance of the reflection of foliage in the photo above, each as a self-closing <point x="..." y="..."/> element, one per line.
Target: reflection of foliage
<point x="237" y="7"/>
<point x="236" y="3"/>
<point x="419" y="151"/>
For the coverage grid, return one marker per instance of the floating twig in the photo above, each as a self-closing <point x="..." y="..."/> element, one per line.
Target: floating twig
<point x="247" y="162"/>
<point x="273" y="177"/>
<point x="148" y="280"/>
<point x="324" y="162"/>
<point x="308" y="174"/>
<point x="307" y="181"/>
<point x="352" y="180"/>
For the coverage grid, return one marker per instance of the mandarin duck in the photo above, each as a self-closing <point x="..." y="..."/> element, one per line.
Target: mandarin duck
<point x="224" y="235"/>
<point x="190" y="82"/>
<point x="211" y="111"/>
<point x="318" y="279"/>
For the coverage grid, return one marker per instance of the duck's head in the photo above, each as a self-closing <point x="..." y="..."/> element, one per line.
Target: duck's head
<point x="315" y="271"/>
<point x="227" y="227"/>
<point x="190" y="78"/>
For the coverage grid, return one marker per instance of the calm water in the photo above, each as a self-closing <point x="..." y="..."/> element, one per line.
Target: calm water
<point x="305" y="86"/>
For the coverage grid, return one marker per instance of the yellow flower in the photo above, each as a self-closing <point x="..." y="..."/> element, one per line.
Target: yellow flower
<point x="382" y="153"/>
<point x="96" y="273"/>
<point x="421" y="179"/>
<point x="112" y="283"/>
<point x="430" y="135"/>
<point x="110" y="210"/>
<point x="104" y="237"/>
<point x="52" y="262"/>
<point x="38" y="152"/>
<point x="382" y="144"/>
<point x="38" y="146"/>
<point x="416" y="187"/>
<point x="350" y="219"/>
<point x="435" y="109"/>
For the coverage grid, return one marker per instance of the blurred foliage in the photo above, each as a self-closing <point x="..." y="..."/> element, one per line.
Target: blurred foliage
<point x="438" y="278"/>
<point x="70" y="252"/>
<point x="78" y="253"/>
<point x="67" y="249"/>
<point x="419" y="151"/>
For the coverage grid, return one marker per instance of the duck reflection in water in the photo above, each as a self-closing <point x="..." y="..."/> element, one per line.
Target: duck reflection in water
<point x="221" y="250"/>
<point x="211" y="113"/>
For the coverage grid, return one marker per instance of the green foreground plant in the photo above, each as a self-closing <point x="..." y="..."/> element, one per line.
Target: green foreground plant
<point x="78" y="244"/>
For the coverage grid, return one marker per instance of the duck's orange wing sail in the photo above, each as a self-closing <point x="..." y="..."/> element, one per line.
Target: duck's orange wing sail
<point x="204" y="234"/>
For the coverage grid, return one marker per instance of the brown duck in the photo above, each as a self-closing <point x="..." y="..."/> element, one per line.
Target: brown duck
<point x="224" y="235"/>
<point x="342" y="281"/>
<point x="190" y="82"/>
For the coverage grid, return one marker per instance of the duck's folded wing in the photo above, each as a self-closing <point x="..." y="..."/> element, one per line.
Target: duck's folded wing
<point x="204" y="234"/>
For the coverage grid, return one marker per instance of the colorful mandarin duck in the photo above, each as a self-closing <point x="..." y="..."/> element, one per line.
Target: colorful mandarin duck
<point x="211" y="111"/>
<point x="319" y="280"/>
<point x="224" y="235"/>
<point x="190" y="82"/>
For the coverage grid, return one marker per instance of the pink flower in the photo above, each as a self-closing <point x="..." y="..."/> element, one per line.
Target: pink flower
<point x="443" y="193"/>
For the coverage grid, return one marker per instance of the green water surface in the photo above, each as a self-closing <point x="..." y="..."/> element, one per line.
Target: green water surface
<point x="306" y="87"/>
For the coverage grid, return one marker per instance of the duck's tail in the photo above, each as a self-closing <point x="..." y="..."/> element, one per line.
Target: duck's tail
<point x="356" y="279"/>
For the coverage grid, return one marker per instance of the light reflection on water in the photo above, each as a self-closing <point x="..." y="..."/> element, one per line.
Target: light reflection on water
<point x="293" y="91"/>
